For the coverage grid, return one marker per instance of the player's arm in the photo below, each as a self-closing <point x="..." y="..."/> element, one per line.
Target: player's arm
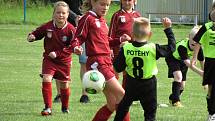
<point x="113" y="39"/>
<point x="197" y="46"/>
<point x="184" y="56"/>
<point x="66" y="51"/>
<point x="193" y="68"/>
<point x="119" y="63"/>
<point x="201" y="58"/>
<point x="165" y="50"/>
<point x="37" y="34"/>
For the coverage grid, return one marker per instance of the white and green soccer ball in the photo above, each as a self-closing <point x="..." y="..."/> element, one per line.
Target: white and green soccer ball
<point x="93" y="81"/>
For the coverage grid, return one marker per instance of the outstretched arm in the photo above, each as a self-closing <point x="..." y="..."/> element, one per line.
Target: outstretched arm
<point x="165" y="50"/>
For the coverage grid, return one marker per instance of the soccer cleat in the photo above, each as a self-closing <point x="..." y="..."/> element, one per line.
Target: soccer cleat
<point x="84" y="99"/>
<point x="65" y="110"/>
<point x="46" y="112"/>
<point x="211" y="117"/>
<point x="57" y="99"/>
<point x="177" y="104"/>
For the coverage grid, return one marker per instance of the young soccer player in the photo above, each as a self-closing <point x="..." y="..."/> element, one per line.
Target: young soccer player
<point x="57" y="34"/>
<point x="121" y="25"/>
<point x="138" y="59"/>
<point x="178" y="64"/>
<point x="93" y="31"/>
<point x="205" y="38"/>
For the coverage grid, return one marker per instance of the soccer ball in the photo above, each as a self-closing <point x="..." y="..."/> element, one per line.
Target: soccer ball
<point x="93" y="81"/>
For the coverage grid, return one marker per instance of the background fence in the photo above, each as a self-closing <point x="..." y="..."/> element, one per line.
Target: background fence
<point x="180" y="8"/>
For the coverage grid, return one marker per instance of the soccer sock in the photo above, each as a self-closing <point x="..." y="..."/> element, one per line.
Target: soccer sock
<point x="65" y="97"/>
<point x="176" y="91"/>
<point x="47" y="94"/>
<point x="103" y="114"/>
<point x="127" y="116"/>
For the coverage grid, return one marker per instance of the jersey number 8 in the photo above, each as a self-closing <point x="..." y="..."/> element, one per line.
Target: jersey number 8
<point x="137" y="70"/>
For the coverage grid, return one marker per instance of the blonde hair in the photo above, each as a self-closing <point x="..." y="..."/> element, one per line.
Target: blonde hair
<point x="213" y="5"/>
<point x="193" y="32"/>
<point x="87" y="5"/>
<point x="60" y="3"/>
<point x="141" y="27"/>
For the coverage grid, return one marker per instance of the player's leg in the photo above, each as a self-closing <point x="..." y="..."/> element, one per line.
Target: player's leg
<point x="82" y="60"/>
<point x="63" y="76"/>
<point x="48" y="71"/>
<point x="123" y="108"/>
<point x="65" y="93"/>
<point x="184" y="70"/>
<point x="149" y="100"/>
<point x="208" y="79"/>
<point x="174" y="72"/>
<point x="113" y="92"/>
<point x="57" y="97"/>
<point x="47" y="94"/>
<point x="176" y="86"/>
<point x="105" y="112"/>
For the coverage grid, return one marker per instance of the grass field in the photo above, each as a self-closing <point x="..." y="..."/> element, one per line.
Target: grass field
<point x="20" y="85"/>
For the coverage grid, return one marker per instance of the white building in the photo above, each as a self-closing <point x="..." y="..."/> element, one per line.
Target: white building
<point x="185" y="11"/>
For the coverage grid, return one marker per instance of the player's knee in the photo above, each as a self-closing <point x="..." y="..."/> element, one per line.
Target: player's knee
<point x="47" y="78"/>
<point x="177" y="76"/>
<point x="64" y="85"/>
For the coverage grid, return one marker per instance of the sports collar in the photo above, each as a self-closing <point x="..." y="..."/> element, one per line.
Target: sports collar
<point x="60" y="28"/>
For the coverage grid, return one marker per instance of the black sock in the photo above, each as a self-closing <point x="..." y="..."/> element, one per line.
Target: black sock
<point x="176" y="91"/>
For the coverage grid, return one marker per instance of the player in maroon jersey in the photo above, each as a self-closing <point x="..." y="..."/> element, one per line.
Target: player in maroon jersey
<point x="57" y="34"/>
<point x="93" y="31"/>
<point x="121" y="25"/>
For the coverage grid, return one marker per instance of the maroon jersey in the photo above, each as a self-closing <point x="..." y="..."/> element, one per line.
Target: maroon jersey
<point x="55" y="39"/>
<point x="92" y="30"/>
<point x="121" y="23"/>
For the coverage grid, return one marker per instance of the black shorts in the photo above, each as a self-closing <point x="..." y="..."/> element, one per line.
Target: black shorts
<point x="176" y="65"/>
<point x="209" y="71"/>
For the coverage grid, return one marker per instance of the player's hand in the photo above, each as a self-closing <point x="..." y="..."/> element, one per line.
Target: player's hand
<point x="167" y="23"/>
<point x="31" y="38"/>
<point x="124" y="38"/>
<point x="78" y="50"/>
<point x="123" y="43"/>
<point x="52" y="55"/>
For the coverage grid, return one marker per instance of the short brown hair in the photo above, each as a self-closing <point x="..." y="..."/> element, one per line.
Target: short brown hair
<point x="138" y="23"/>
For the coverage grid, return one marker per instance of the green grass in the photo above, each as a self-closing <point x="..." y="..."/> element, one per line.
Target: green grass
<point x="35" y="14"/>
<point x="20" y="85"/>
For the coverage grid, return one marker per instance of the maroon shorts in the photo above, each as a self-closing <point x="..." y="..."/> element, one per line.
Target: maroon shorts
<point x="58" y="69"/>
<point x="105" y="65"/>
